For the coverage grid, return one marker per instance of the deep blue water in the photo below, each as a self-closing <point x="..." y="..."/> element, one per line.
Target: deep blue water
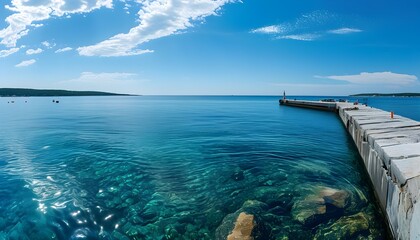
<point x="179" y="168"/>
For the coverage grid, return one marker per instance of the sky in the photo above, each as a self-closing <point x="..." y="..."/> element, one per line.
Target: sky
<point x="211" y="47"/>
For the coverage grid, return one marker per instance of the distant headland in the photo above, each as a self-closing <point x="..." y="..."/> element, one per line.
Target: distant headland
<point x="386" y="95"/>
<point x="27" y="92"/>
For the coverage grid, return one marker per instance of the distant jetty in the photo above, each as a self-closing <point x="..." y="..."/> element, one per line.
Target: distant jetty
<point x="27" y="92"/>
<point x="386" y="95"/>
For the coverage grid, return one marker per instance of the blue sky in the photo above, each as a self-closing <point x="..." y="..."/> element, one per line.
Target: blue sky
<point x="227" y="47"/>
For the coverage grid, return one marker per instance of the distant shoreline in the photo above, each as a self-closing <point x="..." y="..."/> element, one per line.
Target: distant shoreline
<point x="27" y="92"/>
<point x="386" y="95"/>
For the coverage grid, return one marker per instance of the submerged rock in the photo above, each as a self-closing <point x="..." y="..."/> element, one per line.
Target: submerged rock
<point x="254" y="206"/>
<point x="226" y="226"/>
<point x="243" y="227"/>
<point x="213" y="218"/>
<point x="281" y="205"/>
<point x="245" y="223"/>
<point x="307" y="210"/>
<point x="316" y="207"/>
<point x="346" y="227"/>
<point x="335" y="197"/>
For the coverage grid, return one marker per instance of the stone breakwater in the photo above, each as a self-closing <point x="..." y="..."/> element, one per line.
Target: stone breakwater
<point x="390" y="148"/>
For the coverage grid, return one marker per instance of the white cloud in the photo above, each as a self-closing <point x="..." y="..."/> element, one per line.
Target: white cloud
<point x="37" y="25"/>
<point x="26" y="13"/>
<point x="7" y="52"/>
<point x="389" y="78"/>
<point x="273" y="29"/>
<point x="26" y="63"/>
<point x="301" y="37"/>
<point x="345" y="30"/>
<point x="34" y="51"/>
<point x="127" y="6"/>
<point x="307" y="27"/>
<point x="157" y="19"/>
<point x="66" y="49"/>
<point x="117" y="82"/>
<point x="46" y="44"/>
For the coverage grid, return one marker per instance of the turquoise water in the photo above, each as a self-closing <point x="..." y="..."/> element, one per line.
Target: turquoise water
<point x="179" y="168"/>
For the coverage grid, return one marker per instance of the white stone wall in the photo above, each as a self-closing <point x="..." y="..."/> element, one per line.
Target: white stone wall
<point x="390" y="149"/>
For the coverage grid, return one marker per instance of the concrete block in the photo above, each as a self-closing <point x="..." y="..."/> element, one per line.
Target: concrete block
<point x="378" y="176"/>
<point x="401" y="151"/>
<point x="392" y="130"/>
<point x="387" y="125"/>
<point x="393" y="198"/>
<point x="379" y="120"/>
<point x="404" y="169"/>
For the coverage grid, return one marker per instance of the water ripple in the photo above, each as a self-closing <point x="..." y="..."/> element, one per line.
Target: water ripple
<point x="170" y="168"/>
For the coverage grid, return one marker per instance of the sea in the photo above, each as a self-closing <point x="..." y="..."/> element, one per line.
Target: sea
<point x="183" y="167"/>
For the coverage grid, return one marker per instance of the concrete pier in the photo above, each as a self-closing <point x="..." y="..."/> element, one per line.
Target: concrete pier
<point x="390" y="149"/>
<point x="327" y="106"/>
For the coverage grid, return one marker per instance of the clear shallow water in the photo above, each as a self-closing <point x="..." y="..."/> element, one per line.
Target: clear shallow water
<point x="177" y="168"/>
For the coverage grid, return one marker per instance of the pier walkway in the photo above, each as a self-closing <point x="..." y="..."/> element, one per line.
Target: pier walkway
<point x="390" y="149"/>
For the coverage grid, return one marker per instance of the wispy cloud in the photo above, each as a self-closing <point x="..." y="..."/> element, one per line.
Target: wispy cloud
<point x="307" y="27"/>
<point x="7" y="52"/>
<point x="389" y="78"/>
<point x="301" y="37"/>
<point x="66" y="49"/>
<point x="127" y="7"/>
<point x="273" y="29"/>
<point x="47" y="44"/>
<point x="26" y="63"/>
<point x="157" y="19"/>
<point x="345" y="30"/>
<point x="34" y="51"/>
<point x="28" y="14"/>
